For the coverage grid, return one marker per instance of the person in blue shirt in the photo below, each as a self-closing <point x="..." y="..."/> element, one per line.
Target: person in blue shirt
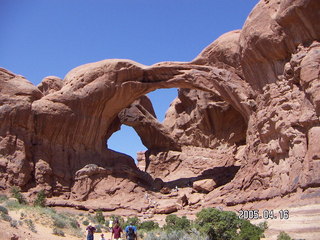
<point x="131" y="232"/>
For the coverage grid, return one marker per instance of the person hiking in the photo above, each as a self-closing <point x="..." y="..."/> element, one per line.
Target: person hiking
<point x="116" y="231"/>
<point x="102" y="237"/>
<point x="131" y="232"/>
<point x="110" y="225"/>
<point x="90" y="232"/>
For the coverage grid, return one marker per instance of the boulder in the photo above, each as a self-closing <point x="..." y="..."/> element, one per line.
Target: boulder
<point x="205" y="185"/>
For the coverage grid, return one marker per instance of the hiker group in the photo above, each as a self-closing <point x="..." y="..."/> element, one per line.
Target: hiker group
<point x="116" y="231"/>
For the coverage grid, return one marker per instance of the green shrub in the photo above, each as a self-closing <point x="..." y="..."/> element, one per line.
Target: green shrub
<point x="225" y="225"/>
<point x="175" y="235"/>
<point x="31" y="225"/>
<point x="263" y="225"/>
<point x="85" y="222"/>
<point x="142" y="233"/>
<point x="283" y="236"/>
<point x="3" y="198"/>
<point x="98" y="228"/>
<point x="77" y="233"/>
<point x="173" y="222"/>
<point x="133" y="220"/>
<point x="16" y="193"/>
<point x="40" y="199"/>
<point x="120" y="220"/>
<point x="59" y="221"/>
<point x="3" y="210"/>
<point x="74" y="223"/>
<point x="58" y="232"/>
<point x="217" y="224"/>
<point x="5" y="217"/>
<point x="99" y="217"/>
<point x="14" y="204"/>
<point x="149" y="225"/>
<point x="250" y="231"/>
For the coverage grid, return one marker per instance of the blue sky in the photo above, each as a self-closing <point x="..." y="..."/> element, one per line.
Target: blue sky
<point x="50" y="37"/>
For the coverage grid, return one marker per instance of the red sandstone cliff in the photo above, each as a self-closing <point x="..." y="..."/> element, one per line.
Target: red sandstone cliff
<point x="245" y="126"/>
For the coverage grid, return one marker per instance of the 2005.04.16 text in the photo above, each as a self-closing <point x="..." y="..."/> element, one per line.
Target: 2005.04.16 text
<point x="265" y="214"/>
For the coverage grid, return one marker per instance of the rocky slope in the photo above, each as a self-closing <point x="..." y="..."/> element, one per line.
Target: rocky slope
<point x="244" y="128"/>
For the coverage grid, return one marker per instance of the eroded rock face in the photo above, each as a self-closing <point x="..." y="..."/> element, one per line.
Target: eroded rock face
<point x="140" y="115"/>
<point x="202" y="119"/>
<point x="50" y="84"/>
<point x="16" y="129"/>
<point x="245" y="125"/>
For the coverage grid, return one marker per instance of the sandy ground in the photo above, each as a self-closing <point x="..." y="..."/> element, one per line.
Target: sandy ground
<point x="303" y="223"/>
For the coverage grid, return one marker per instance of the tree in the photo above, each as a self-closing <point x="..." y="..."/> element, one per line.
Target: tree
<point x="149" y="225"/>
<point x="133" y="220"/>
<point x="173" y="222"/>
<point x="225" y="225"/>
<point x="119" y="219"/>
<point x="99" y="217"/>
<point x="40" y="199"/>
<point x="283" y="236"/>
<point x="250" y="231"/>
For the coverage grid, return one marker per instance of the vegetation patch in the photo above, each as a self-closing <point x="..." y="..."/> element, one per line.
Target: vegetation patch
<point x="3" y="198"/>
<point x="31" y="225"/>
<point x="3" y="210"/>
<point x="40" y="199"/>
<point x="58" y="232"/>
<point x="283" y="236"/>
<point x="16" y="193"/>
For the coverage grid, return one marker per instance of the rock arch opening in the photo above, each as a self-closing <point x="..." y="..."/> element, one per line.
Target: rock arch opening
<point x="127" y="141"/>
<point x="161" y="100"/>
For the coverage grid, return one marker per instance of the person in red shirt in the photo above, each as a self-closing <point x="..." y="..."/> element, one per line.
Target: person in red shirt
<point x="116" y="231"/>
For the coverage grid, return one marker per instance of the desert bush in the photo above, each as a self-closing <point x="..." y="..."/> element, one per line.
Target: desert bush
<point x="217" y="224"/>
<point x="175" y="235"/>
<point x="263" y="225"/>
<point x="59" y="221"/>
<point x="249" y="231"/>
<point x="225" y="225"/>
<point x="3" y="198"/>
<point x="14" y="204"/>
<point x="31" y="225"/>
<point x="58" y="232"/>
<point x="98" y="228"/>
<point x="91" y="218"/>
<point x="3" y="210"/>
<point x="16" y="193"/>
<point x="74" y="223"/>
<point x="5" y="217"/>
<point x="283" y="236"/>
<point x="119" y="219"/>
<point x="173" y="222"/>
<point x="40" y="199"/>
<point x="85" y="222"/>
<point x="99" y="217"/>
<point x="151" y="236"/>
<point x="14" y="223"/>
<point x="63" y="221"/>
<point x="149" y="225"/>
<point x="133" y="220"/>
<point x="77" y="233"/>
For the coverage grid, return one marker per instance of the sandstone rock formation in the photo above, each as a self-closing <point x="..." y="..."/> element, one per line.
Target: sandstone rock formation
<point x="244" y="127"/>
